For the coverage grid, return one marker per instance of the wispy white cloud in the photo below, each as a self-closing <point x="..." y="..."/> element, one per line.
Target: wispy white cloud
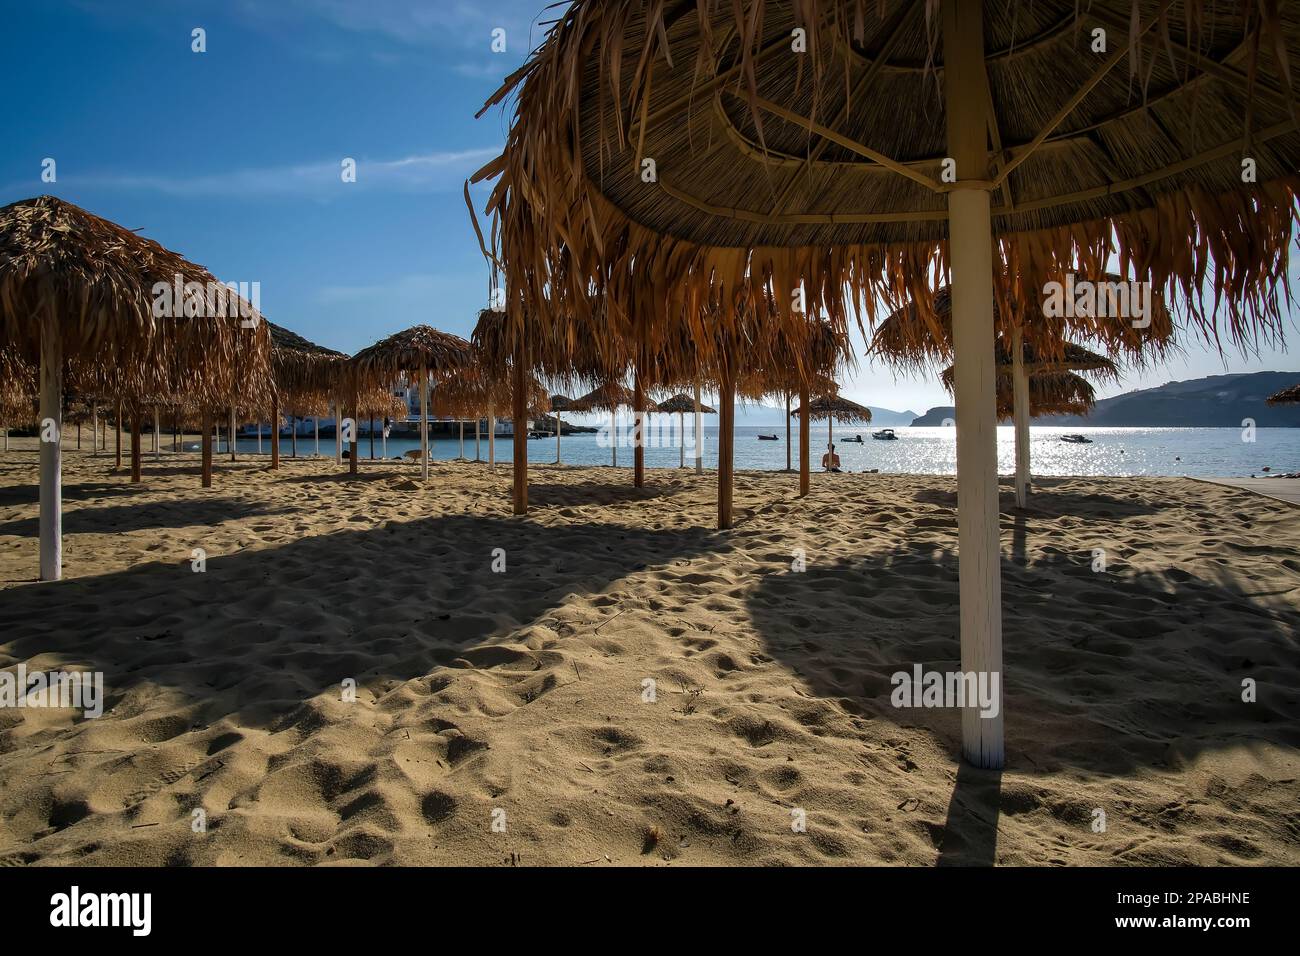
<point x="426" y="172"/>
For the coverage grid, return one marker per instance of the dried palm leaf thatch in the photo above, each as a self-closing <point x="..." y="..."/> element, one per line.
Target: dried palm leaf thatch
<point x="811" y="361"/>
<point x="556" y="348"/>
<point x="665" y="157"/>
<point x="1051" y="392"/>
<point x="684" y="404"/>
<point x="837" y="407"/>
<point x="1288" y="396"/>
<point x="303" y="366"/>
<point x="471" y="392"/>
<point x="99" y="282"/>
<point x="560" y="403"/>
<point x="409" y="351"/>
<point x="381" y="403"/>
<point x="906" y="339"/>
<point x="18" y="385"/>
<point x="606" y="397"/>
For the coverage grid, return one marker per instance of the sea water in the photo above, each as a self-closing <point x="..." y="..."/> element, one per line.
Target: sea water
<point x="1194" y="452"/>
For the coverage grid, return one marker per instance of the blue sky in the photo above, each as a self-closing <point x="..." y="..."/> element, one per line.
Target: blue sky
<point x="233" y="156"/>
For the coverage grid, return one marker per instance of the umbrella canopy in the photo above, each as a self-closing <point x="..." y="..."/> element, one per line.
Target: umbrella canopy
<point x="1288" y="396"/>
<point x="906" y="339"/>
<point x="848" y="141"/>
<point x="837" y="408"/>
<point x="101" y="283"/>
<point x="605" y="398"/>
<point x="1051" y="392"/>
<point x="561" y="403"/>
<point x="409" y="351"/>
<point x="684" y="404"/>
<point x="303" y="366"/>
<point x="380" y="403"/>
<point x="471" y="392"/>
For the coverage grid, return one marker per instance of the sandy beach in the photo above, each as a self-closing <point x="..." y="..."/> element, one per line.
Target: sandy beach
<point x="502" y="715"/>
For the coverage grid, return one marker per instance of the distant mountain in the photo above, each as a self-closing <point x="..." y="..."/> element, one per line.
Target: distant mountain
<point x="936" y="416"/>
<point x="1219" y="401"/>
<point x="765" y="416"/>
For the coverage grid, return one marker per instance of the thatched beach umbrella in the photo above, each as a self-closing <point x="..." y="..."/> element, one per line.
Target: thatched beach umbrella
<point x="1029" y="341"/>
<point x="77" y="287"/>
<point x="833" y="408"/>
<point x="419" y="352"/>
<point x="673" y="155"/>
<point x="305" y="374"/>
<point x="379" y="403"/>
<point x="1288" y="396"/>
<point x="607" y="397"/>
<point x="681" y="404"/>
<point x="1051" y="392"/>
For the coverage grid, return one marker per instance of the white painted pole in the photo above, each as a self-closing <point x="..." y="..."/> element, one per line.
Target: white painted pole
<point x="559" y="427"/>
<point x="492" y="439"/>
<point x="315" y="425"/>
<point x="478" y="424"/>
<point x="51" y="508"/>
<point x="424" y="423"/>
<point x="338" y="431"/>
<point x="681" y="437"/>
<point x="1020" y="385"/>
<point x="462" y="439"/>
<point x="259" y="438"/>
<point x="970" y="242"/>
<point x="94" y="430"/>
<point x="231" y="438"/>
<point x="699" y="432"/>
<point x="613" y="433"/>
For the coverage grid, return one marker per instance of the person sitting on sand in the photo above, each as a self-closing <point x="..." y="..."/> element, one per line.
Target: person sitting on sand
<point x="830" y="460"/>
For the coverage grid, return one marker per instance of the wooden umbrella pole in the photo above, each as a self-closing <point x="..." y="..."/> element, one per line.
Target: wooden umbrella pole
<point x="424" y="422"/>
<point x="613" y="434"/>
<point x="355" y="415"/>
<point x="372" y="437"/>
<point x="638" y="437"/>
<point x="118" y="451"/>
<point x="157" y="434"/>
<point x="315" y="427"/>
<point x="970" y="242"/>
<point x="462" y="439"/>
<point x="383" y="438"/>
<point x="726" y="430"/>
<point x="559" y="427"/>
<point x="805" y="440"/>
<point x="478" y="423"/>
<point x="1020" y="390"/>
<point x="293" y="437"/>
<point x="519" y="399"/>
<point x="275" y="431"/>
<point x="206" y="451"/>
<point x="135" y="445"/>
<point x="788" y="450"/>
<point x="259" y="438"/>
<point x="338" y="426"/>
<point x="492" y="439"/>
<point x="94" y="430"/>
<point x="699" y="432"/>
<point x="51" y="498"/>
<point x="231" y="439"/>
